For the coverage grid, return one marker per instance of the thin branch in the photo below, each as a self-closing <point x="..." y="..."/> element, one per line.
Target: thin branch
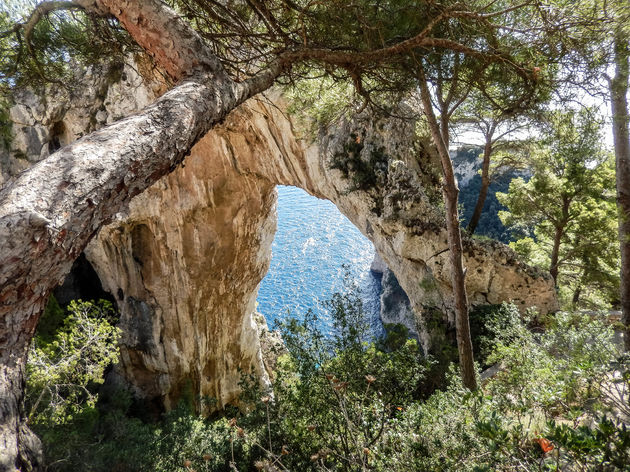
<point x="38" y="12"/>
<point x="27" y="27"/>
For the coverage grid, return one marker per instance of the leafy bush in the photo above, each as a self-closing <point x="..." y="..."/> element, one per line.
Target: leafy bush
<point x="548" y="408"/>
<point x="556" y="369"/>
<point x="364" y="169"/>
<point x="603" y="446"/>
<point x="491" y="325"/>
<point x="334" y="397"/>
<point x="434" y="435"/>
<point x="63" y="369"/>
<point x="346" y="403"/>
<point x="553" y="378"/>
<point x="547" y="378"/>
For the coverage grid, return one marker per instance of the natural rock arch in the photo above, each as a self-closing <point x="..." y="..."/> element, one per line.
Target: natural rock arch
<point x="187" y="259"/>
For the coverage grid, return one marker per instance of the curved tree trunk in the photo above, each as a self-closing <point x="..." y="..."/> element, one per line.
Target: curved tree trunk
<point x="621" y="135"/>
<point x="50" y="212"/>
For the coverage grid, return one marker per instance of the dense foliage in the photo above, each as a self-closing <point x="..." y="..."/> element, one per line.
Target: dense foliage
<point x="51" y="51"/>
<point x="566" y="214"/>
<point x="66" y="363"/>
<point x="350" y="403"/>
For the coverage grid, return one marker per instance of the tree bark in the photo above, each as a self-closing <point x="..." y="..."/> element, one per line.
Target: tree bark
<point x="555" y="251"/>
<point x="621" y="138"/>
<point x="485" y="183"/>
<point x="557" y="239"/>
<point x="51" y="211"/>
<point x="450" y="192"/>
<point x="576" y="295"/>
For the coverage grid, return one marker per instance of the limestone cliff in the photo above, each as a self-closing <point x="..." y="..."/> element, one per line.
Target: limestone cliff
<point x="47" y="119"/>
<point x="184" y="262"/>
<point x="395" y="306"/>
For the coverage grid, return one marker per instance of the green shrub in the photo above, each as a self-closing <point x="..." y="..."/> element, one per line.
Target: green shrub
<point x="603" y="446"/>
<point x="365" y="171"/>
<point x="434" y="435"/>
<point x="50" y="322"/>
<point x="550" y="390"/>
<point x="346" y="403"/>
<point x="63" y="370"/>
<point x="493" y="324"/>
<point x="335" y="397"/>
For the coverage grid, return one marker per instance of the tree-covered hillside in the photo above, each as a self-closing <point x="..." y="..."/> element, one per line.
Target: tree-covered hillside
<point x="467" y="164"/>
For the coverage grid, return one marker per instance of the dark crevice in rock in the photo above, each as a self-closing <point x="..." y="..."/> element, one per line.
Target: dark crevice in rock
<point x="81" y="283"/>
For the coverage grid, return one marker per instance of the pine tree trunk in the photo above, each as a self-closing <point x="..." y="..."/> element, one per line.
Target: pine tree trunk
<point x="621" y="135"/>
<point x="555" y="252"/>
<point x="450" y="193"/>
<point x="462" y="323"/>
<point x="557" y="238"/>
<point x="49" y="213"/>
<point x="483" y="191"/>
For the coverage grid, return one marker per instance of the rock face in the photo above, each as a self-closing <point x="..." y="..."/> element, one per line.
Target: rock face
<point x="378" y="265"/>
<point x="271" y="345"/>
<point x="45" y="121"/>
<point x="466" y="165"/>
<point x="395" y="305"/>
<point x="184" y="263"/>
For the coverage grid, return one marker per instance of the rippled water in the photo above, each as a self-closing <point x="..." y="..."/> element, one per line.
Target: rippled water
<point x="313" y="243"/>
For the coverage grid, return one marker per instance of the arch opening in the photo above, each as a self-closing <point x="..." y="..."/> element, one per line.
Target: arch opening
<point x="316" y="252"/>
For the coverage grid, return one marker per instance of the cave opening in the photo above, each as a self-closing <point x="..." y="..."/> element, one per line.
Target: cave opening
<point x="81" y="283"/>
<point x="57" y="137"/>
<point x="316" y="252"/>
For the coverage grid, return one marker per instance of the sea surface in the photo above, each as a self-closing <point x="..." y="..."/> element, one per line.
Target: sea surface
<point x="314" y="248"/>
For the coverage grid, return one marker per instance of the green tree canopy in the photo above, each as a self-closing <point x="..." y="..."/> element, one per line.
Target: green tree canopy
<point x="49" y="45"/>
<point x="566" y="213"/>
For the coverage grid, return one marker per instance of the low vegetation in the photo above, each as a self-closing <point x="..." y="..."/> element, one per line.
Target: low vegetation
<point x="557" y="401"/>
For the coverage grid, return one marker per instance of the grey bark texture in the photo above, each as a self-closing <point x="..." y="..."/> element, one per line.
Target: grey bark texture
<point x="49" y="213"/>
<point x="621" y="137"/>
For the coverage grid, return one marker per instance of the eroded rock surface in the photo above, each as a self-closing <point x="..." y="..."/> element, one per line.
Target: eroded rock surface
<point x="185" y="265"/>
<point x="50" y="118"/>
<point x="395" y="306"/>
<point x="185" y="261"/>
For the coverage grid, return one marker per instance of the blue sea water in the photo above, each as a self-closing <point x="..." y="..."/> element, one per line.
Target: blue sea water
<point x="313" y="243"/>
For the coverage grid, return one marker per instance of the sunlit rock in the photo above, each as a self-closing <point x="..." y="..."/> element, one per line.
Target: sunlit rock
<point x="185" y="260"/>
